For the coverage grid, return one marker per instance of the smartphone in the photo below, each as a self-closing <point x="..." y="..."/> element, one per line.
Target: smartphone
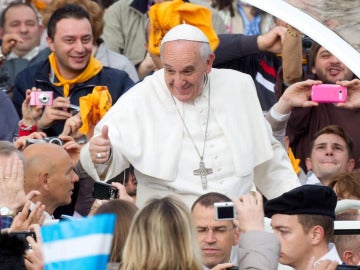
<point x="224" y="211"/>
<point x="347" y="267"/>
<point x="104" y="191"/>
<point x="328" y="93"/>
<point x="22" y="236"/>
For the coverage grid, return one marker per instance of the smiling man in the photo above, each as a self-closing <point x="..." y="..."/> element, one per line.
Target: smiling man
<point x="71" y="71"/>
<point x="189" y="129"/>
<point x="301" y="118"/>
<point x="50" y="170"/>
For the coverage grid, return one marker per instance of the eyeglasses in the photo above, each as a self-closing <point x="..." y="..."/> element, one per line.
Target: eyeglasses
<point x="216" y="230"/>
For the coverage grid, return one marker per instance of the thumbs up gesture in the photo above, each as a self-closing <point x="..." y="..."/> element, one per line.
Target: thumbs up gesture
<point x="100" y="147"/>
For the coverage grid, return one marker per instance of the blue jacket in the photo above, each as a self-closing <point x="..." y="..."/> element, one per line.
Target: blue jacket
<point x="117" y="81"/>
<point x="8" y="118"/>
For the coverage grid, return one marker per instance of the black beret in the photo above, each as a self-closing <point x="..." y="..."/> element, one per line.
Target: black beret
<point x="306" y="199"/>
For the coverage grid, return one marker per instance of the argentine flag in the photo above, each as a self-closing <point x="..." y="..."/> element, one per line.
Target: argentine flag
<point x="78" y="244"/>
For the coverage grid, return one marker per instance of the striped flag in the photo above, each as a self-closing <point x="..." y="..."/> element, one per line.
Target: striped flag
<point x="79" y="244"/>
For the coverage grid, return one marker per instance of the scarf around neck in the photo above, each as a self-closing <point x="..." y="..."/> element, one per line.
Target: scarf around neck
<point x="92" y="69"/>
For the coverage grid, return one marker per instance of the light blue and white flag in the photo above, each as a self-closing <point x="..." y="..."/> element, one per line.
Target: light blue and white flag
<point x="79" y="244"/>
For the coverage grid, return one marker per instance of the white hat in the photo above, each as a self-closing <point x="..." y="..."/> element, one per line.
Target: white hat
<point x="185" y="32"/>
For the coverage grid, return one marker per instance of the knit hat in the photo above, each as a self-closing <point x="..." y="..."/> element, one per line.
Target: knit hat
<point x="168" y="14"/>
<point x="306" y="199"/>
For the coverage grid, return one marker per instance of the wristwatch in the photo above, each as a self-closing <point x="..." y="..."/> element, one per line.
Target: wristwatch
<point x="6" y="211"/>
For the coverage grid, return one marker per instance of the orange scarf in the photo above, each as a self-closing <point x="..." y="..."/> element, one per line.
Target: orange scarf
<point x="38" y="4"/>
<point x="92" y="68"/>
<point x="294" y="161"/>
<point x="93" y="107"/>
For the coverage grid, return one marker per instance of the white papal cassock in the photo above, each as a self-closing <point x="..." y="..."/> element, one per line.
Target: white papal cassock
<point x="146" y="130"/>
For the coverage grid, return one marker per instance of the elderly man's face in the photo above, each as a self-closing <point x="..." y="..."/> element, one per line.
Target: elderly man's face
<point x="23" y="21"/>
<point x="329" y="69"/>
<point x="185" y="69"/>
<point x="216" y="238"/>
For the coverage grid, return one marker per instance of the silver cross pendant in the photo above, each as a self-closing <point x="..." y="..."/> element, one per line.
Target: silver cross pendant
<point x="203" y="172"/>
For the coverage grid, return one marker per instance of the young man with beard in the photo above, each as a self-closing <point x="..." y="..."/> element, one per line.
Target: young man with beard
<point x="301" y="117"/>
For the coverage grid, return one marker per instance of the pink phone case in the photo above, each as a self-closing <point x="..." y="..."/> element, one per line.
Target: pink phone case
<point x="328" y="93"/>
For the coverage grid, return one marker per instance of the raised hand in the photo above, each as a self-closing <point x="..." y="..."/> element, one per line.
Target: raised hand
<point x="12" y="192"/>
<point x="272" y="41"/>
<point x="250" y="212"/>
<point x="353" y="94"/>
<point x="100" y="147"/>
<point x="296" y="95"/>
<point x="57" y="111"/>
<point x="9" y="41"/>
<point x="30" y="113"/>
<point x="72" y="126"/>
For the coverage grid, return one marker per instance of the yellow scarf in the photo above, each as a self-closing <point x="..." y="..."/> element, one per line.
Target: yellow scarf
<point x="92" y="68"/>
<point x="294" y="161"/>
<point x="93" y="107"/>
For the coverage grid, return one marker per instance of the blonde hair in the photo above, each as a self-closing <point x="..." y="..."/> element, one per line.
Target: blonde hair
<point x="125" y="212"/>
<point x="162" y="237"/>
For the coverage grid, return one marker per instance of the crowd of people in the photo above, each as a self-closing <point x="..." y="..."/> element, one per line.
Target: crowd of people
<point x="171" y="108"/>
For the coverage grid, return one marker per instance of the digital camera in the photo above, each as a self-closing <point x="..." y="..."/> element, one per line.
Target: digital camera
<point x="54" y="140"/>
<point x="44" y="98"/>
<point x="224" y="211"/>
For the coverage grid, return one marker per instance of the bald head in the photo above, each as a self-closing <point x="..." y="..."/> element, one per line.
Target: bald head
<point x="49" y="169"/>
<point x="42" y="156"/>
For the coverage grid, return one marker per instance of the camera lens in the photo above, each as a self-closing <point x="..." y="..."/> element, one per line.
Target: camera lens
<point x="56" y="141"/>
<point x="44" y="98"/>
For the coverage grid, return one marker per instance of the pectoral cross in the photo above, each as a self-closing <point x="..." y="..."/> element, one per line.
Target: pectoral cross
<point x="203" y="172"/>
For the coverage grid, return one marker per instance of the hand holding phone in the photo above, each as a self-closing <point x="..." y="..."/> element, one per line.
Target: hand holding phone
<point x="104" y="191"/>
<point x="22" y="236"/>
<point x="328" y="93"/>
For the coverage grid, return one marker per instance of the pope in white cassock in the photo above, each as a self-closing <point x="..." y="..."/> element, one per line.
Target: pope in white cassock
<point x="189" y="129"/>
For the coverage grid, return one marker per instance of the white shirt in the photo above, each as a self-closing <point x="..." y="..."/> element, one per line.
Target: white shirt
<point x="331" y="255"/>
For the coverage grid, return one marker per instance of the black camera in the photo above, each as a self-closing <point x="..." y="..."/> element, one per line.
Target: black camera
<point x="348" y="267"/>
<point x="54" y="140"/>
<point x="22" y="236"/>
<point x="104" y="191"/>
